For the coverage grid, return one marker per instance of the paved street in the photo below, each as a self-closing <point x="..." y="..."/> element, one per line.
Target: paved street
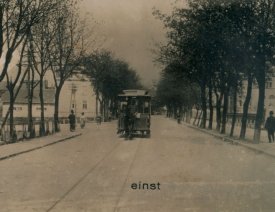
<point x="95" y="171"/>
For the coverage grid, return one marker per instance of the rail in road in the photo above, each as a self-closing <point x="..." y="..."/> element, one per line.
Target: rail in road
<point x="95" y="173"/>
<point x="82" y="178"/>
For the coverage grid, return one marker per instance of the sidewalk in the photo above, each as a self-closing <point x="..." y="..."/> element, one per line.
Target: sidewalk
<point x="262" y="147"/>
<point x="11" y="150"/>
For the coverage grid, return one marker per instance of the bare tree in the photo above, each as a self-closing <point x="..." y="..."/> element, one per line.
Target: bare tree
<point x="16" y="19"/>
<point x="11" y="84"/>
<point x="67" y="47"/>
<point x="41" y="37"/>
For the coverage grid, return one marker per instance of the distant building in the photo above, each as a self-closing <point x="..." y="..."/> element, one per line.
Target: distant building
<point x="269" y="103"/>
<point x="77" y="94"/>
<point x="21" y="103"/>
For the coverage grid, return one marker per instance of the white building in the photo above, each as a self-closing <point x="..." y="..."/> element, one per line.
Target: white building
<point x="77" y="94"/>
<point x="21" y="103"/>
<point x="269" y="104"/>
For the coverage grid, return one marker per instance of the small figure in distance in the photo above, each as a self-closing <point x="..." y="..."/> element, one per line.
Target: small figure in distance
<point x="270" y="126"/>
<point x="72" y="121"/>
<point x="178" y="118"/>
<point x="82" y="120"/>
<point x="98" y="119"/>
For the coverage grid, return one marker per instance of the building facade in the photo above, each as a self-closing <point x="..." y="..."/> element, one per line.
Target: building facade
<point x="77" y="94"/>
<point x="21" y="103"/>
<point x="269" y="104"/>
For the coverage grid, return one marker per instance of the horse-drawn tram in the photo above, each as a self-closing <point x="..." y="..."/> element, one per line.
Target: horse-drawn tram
<point x="134" y="113"/>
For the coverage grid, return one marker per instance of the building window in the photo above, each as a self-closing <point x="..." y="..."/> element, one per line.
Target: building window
<point x="17" y="108"/>
<point x="39" y="108"/>
<point x="268" y="84"/>
<point x="85" y="106"/>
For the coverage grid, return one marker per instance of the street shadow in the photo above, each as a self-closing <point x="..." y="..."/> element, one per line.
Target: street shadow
<point x="134" y="137"/>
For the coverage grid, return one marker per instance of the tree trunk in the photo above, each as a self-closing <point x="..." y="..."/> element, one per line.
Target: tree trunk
<point x="199" y="118"/>
<point x="96" y="104"/>
<point x="210" y="107"/>
<point x="42" y="116"/>
<point x="246" y="106"/>
<point x="197" y="113"/>
<point x="31" y="129"/>
<point x="218" y="114"/>
<point x="188" y="115"/>
<point x="30" y="119"/>
<point x="203" y="105"/>
<point x="180" y="112"/>
<point x="219" y="98"/>
<point x="101" y="103"/>
<point x="107" y="109"/>
<point x="234" y="111"/>
<point x="103" y="109"/>
<point x="174" y="111"/>
<point x="260" y="111"/>
<point x="56" y="110"/>
<point x="224" y="112"/>
<point x="11" y="120"/>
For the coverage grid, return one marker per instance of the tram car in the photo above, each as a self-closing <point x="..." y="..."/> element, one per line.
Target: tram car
<point x="134" y="113"/>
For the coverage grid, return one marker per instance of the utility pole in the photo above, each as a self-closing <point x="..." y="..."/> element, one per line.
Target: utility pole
<point x="73" y="102"/>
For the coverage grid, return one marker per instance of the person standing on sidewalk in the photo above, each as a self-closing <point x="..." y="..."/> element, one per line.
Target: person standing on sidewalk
<point x="72" y="121"/>
<point x="82" y="120"/>
<point x="98" y="120"/>
<point x="270" y="126"/>
<point x="178" y="118"/>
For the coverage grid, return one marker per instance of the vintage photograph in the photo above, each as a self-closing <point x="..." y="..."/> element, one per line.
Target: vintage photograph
<point x="137" y="105"/>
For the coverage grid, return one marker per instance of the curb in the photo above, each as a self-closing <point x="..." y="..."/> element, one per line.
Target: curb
<point x="39" y="147"/>
<point x="232" y="141"/>
<point x="259" y="151"/>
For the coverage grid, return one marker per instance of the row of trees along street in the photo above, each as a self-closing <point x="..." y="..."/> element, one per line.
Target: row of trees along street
<point x="212" y="47"/>
<point x="109" y="76"/>
<point x="51" y="36"/>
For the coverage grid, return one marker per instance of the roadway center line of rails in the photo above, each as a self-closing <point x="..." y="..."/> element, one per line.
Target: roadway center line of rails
<point x="126" y="178"/>
<point x="83" y="178"/>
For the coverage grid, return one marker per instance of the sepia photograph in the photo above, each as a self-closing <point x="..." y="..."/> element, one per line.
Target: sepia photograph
<point x="137" y="105"/>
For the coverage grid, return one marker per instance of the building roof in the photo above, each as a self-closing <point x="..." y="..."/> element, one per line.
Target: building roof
<point x="22" y="97"/>
<point x="134" y="93"/>
<point x="78" y="77"/>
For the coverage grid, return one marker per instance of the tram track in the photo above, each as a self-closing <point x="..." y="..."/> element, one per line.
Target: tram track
<point x="77" y="183"/>
<point x="126" y="179"/>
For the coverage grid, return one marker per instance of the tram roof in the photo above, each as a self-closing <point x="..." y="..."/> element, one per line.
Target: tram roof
<point x="135" y="93"/>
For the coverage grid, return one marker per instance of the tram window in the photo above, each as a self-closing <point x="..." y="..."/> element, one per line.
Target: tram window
<point x="140" y="106"/>
<point x="123" y="105"/>
<point x="133" y="102"/>
<point x="146" y="107"/>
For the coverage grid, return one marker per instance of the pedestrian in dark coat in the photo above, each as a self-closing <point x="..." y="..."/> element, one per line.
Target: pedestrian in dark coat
<point x="270" y="126"/>
<point x="178" y="118"/>
<point x="72" y="121"/>
<point x="127" y="121"/>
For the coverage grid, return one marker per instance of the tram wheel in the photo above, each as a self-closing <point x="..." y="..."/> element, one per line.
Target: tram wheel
<point x="148" y="134"/>
<point x="142" y="133"/>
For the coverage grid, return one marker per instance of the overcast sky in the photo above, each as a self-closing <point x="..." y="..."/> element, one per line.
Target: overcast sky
<point x="131" y="31"/>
